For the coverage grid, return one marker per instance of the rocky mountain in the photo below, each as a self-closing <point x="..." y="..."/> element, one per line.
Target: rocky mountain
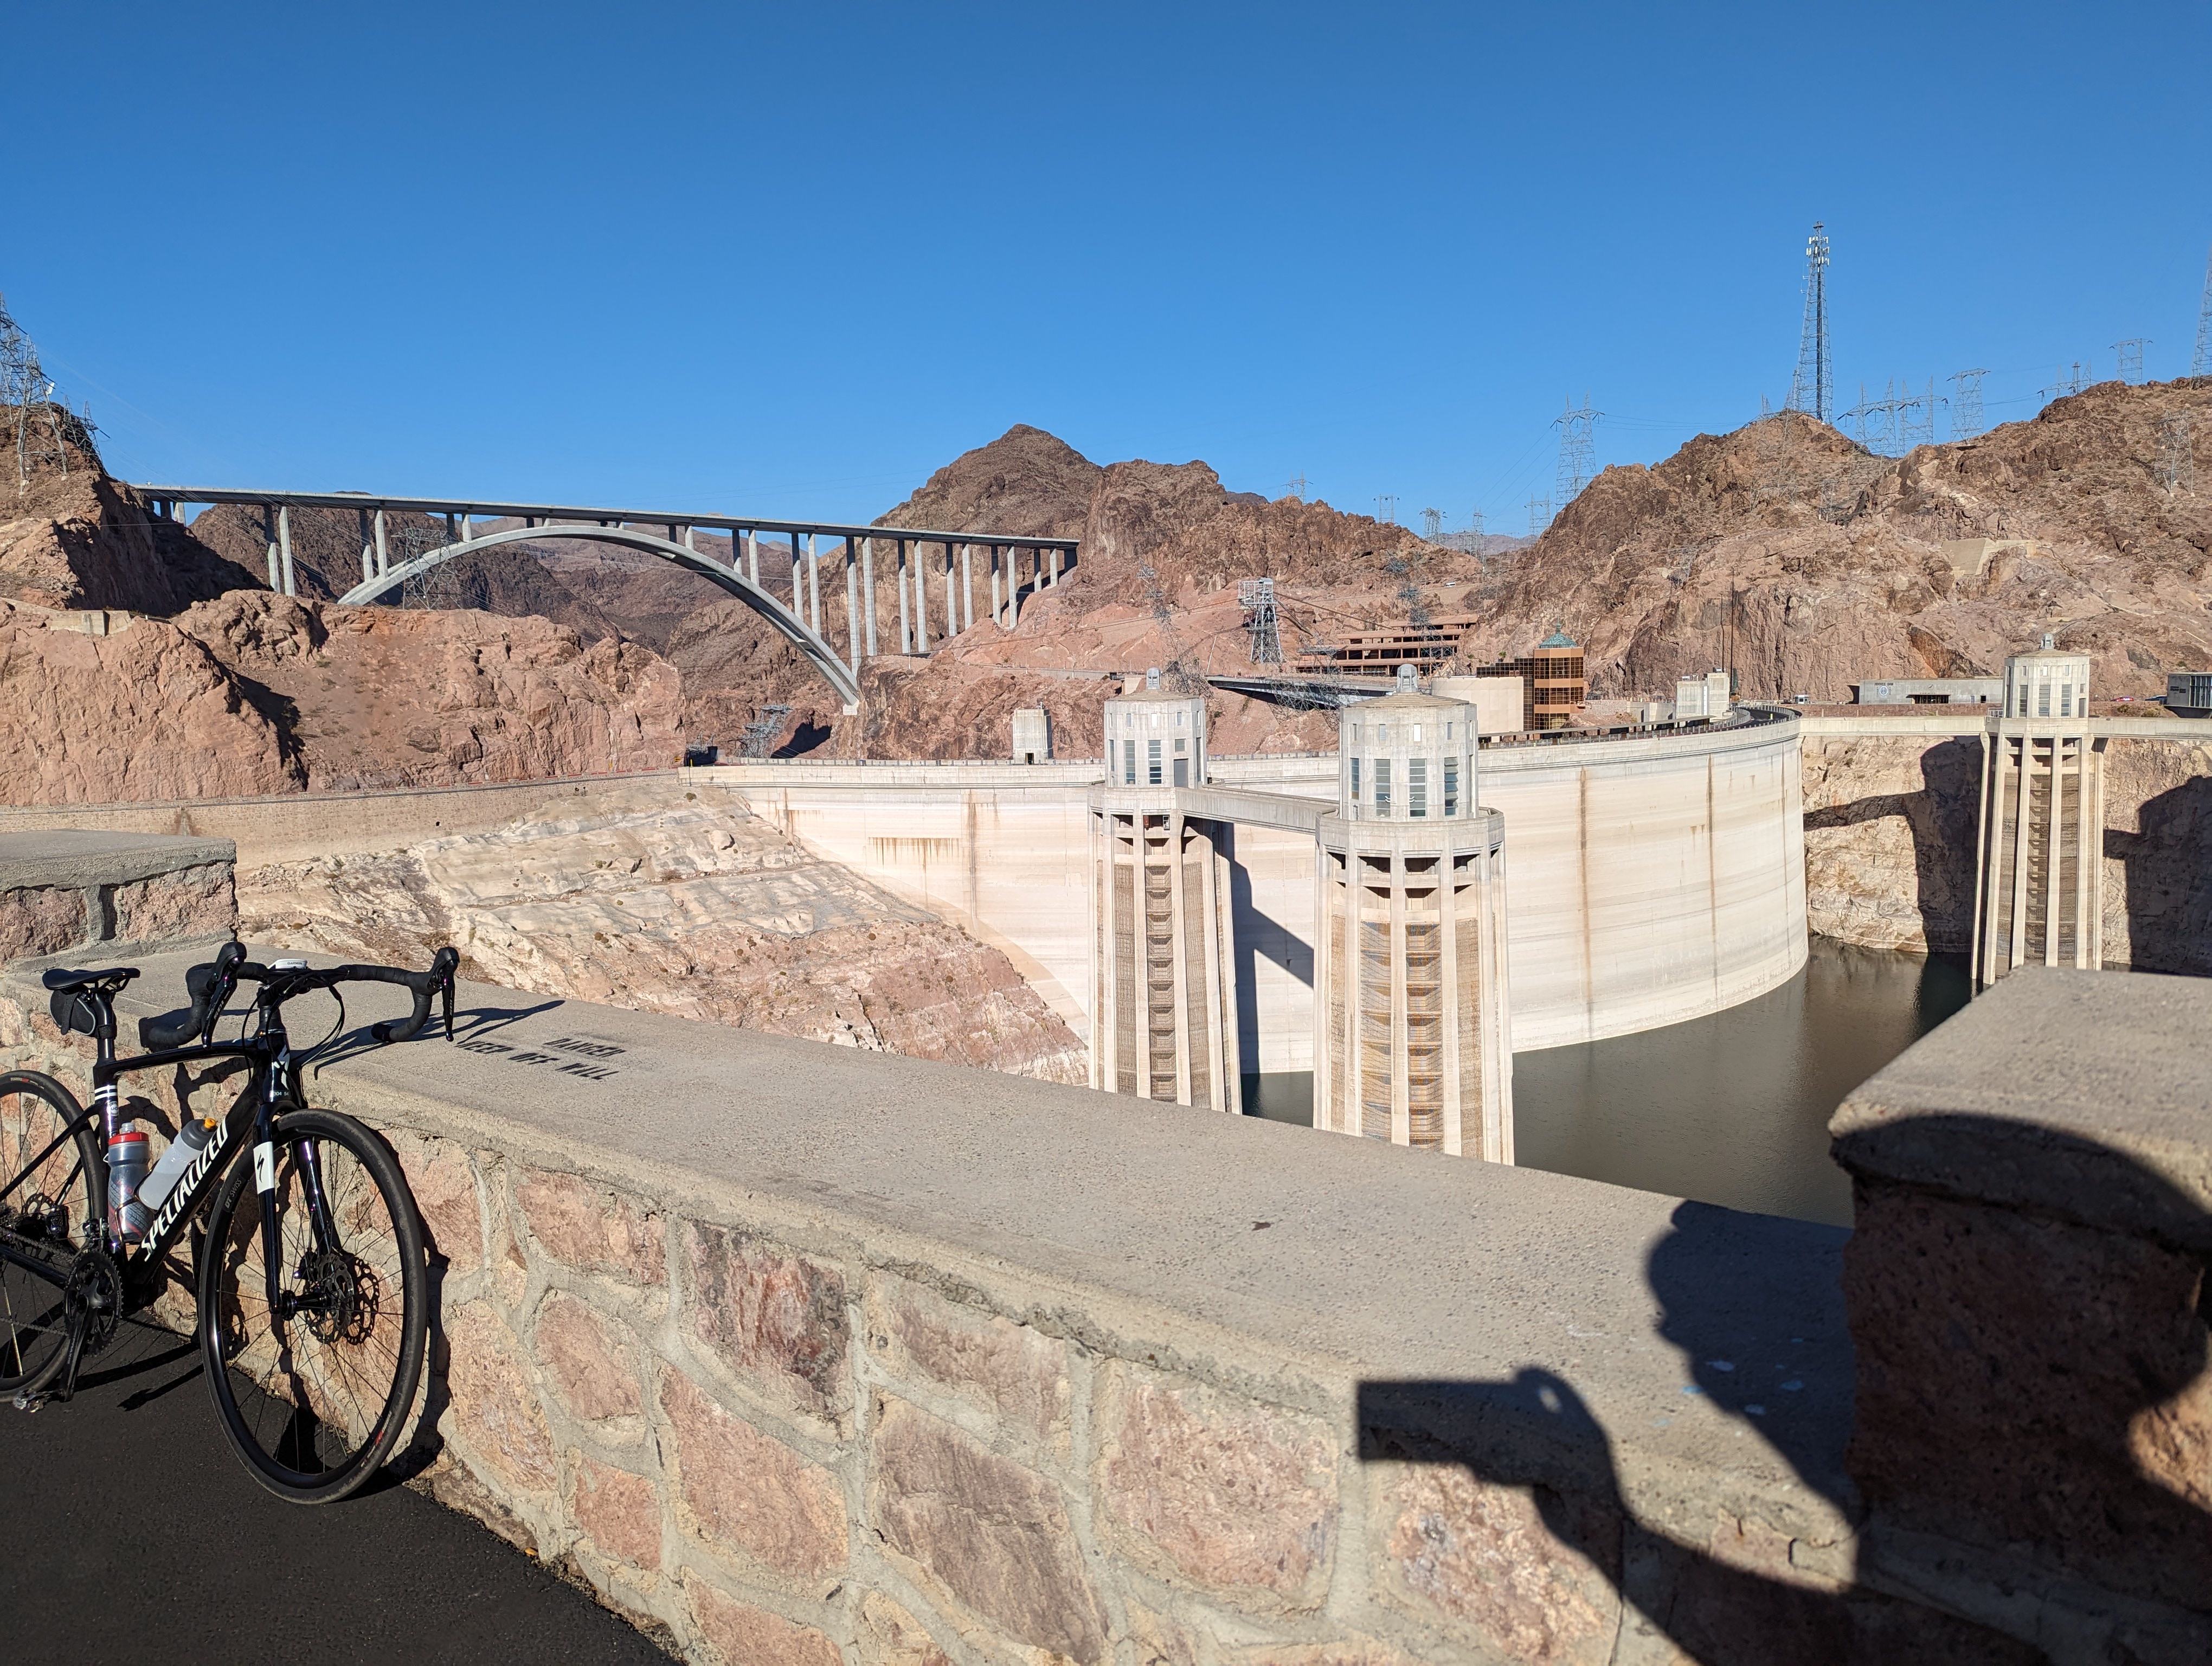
<point x="255" y="693"/>
<point x="702" y="911"/>
<point x="77" y="539"/>
<point x="1790" y="553"/>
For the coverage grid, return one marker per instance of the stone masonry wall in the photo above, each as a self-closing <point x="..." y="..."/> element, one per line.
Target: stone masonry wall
<point x="188" y="902"/>
<point x="771" y="1441"/>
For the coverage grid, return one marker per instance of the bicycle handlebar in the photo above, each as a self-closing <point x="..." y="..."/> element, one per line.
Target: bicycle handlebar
<point x="211" y="985"/>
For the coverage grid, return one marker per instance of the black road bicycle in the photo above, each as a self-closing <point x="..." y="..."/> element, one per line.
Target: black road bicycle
<point x="313" y="1296"/>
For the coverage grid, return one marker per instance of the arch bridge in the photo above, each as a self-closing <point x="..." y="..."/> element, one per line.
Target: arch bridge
<point x="1016" y="567"/>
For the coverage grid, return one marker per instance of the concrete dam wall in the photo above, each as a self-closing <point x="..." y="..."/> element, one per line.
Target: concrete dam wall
<point x="1650" y="879"/>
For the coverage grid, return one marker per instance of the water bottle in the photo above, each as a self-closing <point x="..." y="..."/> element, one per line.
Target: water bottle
<point x="127" y="1214"/>
<point x="187" y="1146"/>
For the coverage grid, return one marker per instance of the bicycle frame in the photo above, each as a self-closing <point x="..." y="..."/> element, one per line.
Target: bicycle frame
<point x="256" y="1109"/>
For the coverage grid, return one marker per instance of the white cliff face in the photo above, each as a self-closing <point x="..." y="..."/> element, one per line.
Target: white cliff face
<point x="702" y="912"/>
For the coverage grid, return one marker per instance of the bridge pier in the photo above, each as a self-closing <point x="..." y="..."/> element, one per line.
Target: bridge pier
<point x="967" y="586"/>
<point x="285" y="545"/>
<point x="383" y="547"/>
<point x="868" y="584"/>
<point x="852" y="610"/>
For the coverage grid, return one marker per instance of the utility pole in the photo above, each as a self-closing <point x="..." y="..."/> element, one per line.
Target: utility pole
<point x="1812" y="390"/>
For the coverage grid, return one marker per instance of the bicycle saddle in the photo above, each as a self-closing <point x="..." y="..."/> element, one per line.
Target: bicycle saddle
<point x="71" y="1007"/>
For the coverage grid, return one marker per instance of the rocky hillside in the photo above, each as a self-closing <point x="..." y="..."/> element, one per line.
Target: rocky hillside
<point x="77" y="539"/>
<point x="1786" y="552"/>
<point x="703" y="912"/>
<point x="254" y="693"/>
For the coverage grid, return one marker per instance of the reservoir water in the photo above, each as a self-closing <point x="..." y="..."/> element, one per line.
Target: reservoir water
<point x="1731" y="1110"/>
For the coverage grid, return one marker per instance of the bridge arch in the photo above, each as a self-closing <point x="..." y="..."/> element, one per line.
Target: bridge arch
<point x="840" y="676"/>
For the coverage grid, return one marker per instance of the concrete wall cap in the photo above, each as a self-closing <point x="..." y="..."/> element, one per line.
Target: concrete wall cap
<point x="75" y="857"/>
<point x="2077" y="1093"/>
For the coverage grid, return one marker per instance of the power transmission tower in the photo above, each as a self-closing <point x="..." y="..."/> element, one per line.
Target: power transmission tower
<point x="2130" y="354"/>
<point x="1812" y="389"/>
<point x="28" y="394"/>
<point x="1876" y="419"/>
<point x="766" y="724"/>
<point x="1261" y="622"/>
<point x="1915" y="417"/>
<point x="2177" y="466"/>
<point x="1297" y="488"/>
<point x="1540" y="515"/>
<point x="1386" y="509"/>
<point x="1967" y="404"/>
<point x="1475" y="525"/>
<point x="2200" y="363"/>
<point x="2067" y="384"/>
<point x="1432" y="524"/>
<point x="1577" y="452"/>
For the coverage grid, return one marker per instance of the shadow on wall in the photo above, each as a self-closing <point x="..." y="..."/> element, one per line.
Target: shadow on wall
<point x="2008" y="1420"/>
<point x="1943" y="818"/>
<point x="2169" y="881"/>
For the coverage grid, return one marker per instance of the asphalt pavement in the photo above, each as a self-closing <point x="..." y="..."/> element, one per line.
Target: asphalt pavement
<point x="132" y="1532"/>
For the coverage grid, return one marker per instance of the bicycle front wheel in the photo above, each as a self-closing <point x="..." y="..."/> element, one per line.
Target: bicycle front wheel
<point x="314" y="1390"/>
<point x="54" y="1180"/>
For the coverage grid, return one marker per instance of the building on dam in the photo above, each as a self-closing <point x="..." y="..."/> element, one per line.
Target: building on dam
<point x="1410" y="991"/>
<point x="2039" y="899"/>
<point x="1165" y="1025"/>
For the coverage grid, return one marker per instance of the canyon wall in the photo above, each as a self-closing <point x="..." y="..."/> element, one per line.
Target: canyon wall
<point x="672" y="904"/>
<point x="1890" y="828"/>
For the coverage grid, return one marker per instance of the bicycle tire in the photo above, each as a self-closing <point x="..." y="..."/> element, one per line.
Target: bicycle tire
<point x="44" y="1217"/>
<point x="290" y="1396"/>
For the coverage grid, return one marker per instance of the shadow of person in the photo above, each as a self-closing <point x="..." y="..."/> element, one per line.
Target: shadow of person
<point x="2168" y="864"/>
<point x="2113" y="1460"/>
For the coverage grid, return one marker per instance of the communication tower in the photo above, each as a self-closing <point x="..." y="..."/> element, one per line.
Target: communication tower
<point x="1577" y="452"/>
<point x="2200" y="363"/>
<point x="1261" y="622"/>
<point x="1967" y="404"/>
<point x="1812" y="389"/>
<point x="2130" y="354"/>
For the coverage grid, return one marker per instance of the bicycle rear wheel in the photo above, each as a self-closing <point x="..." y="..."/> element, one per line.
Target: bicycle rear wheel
<point x="314" y="1394"/>
<point x="42" y="1218"/>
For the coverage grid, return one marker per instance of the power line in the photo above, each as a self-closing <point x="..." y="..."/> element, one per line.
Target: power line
<point x="1812" y="390"/>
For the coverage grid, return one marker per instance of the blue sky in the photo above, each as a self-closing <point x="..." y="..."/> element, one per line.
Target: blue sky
<point x="788" y="260"/>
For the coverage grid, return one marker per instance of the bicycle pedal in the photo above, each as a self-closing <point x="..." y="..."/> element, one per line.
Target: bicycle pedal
<point x="29" y="1402"/>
